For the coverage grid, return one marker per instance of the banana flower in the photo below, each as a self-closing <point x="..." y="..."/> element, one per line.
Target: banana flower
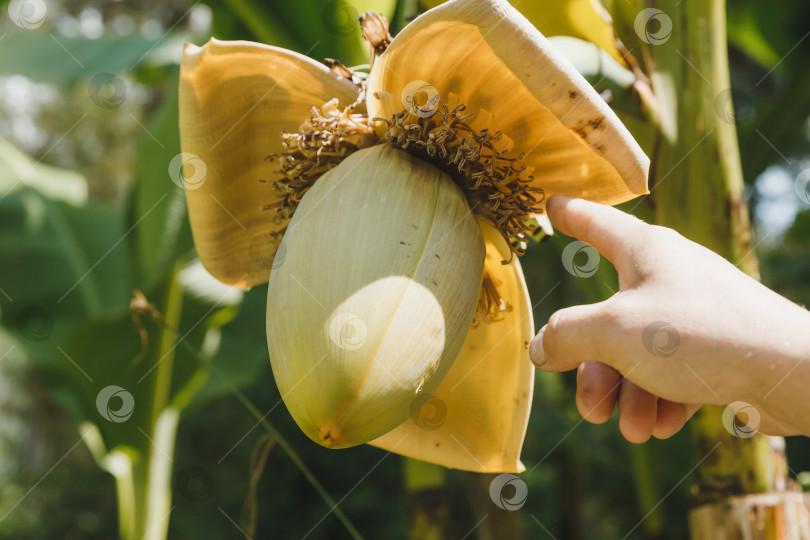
<point x="389" y="214"/>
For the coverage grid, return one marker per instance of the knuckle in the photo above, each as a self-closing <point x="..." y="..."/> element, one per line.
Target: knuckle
<point x="611" y="324"/>
<point x="657" y="249"/>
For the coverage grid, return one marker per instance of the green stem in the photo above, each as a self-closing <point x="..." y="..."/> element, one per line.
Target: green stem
<point x="427" y="499"/>
<point x="150" y="477"/>
<point x="647" y="490"/>
<point x="158" y="487"/>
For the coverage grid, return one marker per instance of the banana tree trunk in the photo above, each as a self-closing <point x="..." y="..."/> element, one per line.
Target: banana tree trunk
<point x="741" y="486"/>
<point x="493" y="523"/>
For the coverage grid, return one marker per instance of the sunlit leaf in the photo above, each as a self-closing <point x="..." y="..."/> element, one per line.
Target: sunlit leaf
<point x="18" y="170"/>
<point x="51" y="57"/>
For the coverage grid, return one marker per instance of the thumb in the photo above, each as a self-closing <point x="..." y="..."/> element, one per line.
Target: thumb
<point x="613" y="233"/>
<point x="573" y="335"/>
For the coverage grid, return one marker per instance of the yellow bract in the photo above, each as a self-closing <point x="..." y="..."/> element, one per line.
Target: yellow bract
<point x="478" y="416"/>
<point x="494" y="60"/>
<point x="235" y="99"/>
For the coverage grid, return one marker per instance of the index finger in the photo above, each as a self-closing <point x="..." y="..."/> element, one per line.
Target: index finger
<point x="612" y="232"/>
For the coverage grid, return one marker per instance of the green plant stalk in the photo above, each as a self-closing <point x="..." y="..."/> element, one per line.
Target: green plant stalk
<point x="425" y="485"/>
<point x="647" y="490"/>
<point x="404" y="10"/>
<point x="144" y="490"/>
<point x="120" y="466"/>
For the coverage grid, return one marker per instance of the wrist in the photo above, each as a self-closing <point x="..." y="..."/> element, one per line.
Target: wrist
<point x="780" y="373"/>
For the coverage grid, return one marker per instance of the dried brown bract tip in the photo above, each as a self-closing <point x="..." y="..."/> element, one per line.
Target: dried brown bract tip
<point x="337" y="67"/>
<point x="375" y="31"/>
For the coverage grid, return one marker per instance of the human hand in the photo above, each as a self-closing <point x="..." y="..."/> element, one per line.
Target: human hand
<point x="686" y="328"/>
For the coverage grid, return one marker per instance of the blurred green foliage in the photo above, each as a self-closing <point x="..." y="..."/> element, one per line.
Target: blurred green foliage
<point x="88" y="213"/>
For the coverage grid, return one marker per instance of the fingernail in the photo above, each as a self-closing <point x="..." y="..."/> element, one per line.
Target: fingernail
<point x="536" y="352"/>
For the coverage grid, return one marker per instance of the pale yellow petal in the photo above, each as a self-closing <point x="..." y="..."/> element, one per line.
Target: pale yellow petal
<point x="491" y="56"/>
<point x="235" y="99"/>
<point x="477" y="419"/>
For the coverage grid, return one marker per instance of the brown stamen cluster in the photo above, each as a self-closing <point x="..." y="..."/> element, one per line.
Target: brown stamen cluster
<point x="320" y="144"/>
<point x="495" y="183"/>
<point x="490" y="304"/>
